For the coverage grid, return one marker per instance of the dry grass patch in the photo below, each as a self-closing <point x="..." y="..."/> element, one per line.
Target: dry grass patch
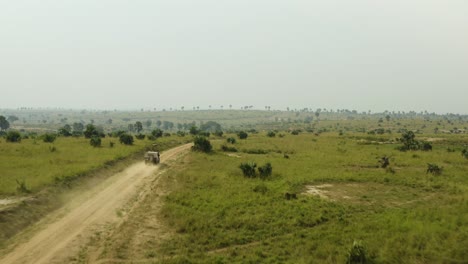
<point x="368" y="194"/>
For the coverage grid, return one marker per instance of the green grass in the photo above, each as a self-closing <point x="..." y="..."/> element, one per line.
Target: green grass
<point x="220" y="216"/>
<point x="39" y="164"/>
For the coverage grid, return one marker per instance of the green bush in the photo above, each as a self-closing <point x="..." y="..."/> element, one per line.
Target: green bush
<point x="13" y="136"/>
<point x="49" y="138"/>
<point x="242" y="135"/>
<point x="295" y="132"/>
<point x="357" y="254"/>
<point x="465" y="153"/>
<point x="157" y="133"/>
<point x="271" y="134"/>
<point x="248" y="169"/>
<point x="126" y="139"/>
<point x="228" y="149"/>
<point x="218" y="133"/>
<point x="231" y="140"/>
<point x="265" y="171"/>
<point x="95" y="141"/>
<point x="201" y="144"/>
<point x="434" y="169"/>
<point x="140" y="136"/>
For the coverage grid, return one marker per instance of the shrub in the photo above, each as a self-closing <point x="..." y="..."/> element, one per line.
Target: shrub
<point x="228" y="149"/>
<point x="295" y="132"/>
<point x="194" y="130"/>
<point x="465" y="153"/>
<point x="242" y="135"/>
<point x="248" y="169"/>
<point x="434" y="169"/>
<point x="357" y="254"/>
<point x="204" y="133"/>
<point x="13" y="136"/>
<point x="265" y="171"/>
<point x="426" y="146"/>
<point x="157" y="133"/>
<point x="90" y="131"/>
<point x="218" y="133"/>
<point x="140" y="136"/>
<point x="271" y="134"/>
<point x="95" y="141"/>
<point x="48" y="138"/>
<point x="181" y="133"/>
<point x="126" y="139"/>
<point x="231" y="140"/>
<point x="167" y="134"/>
<point x="202" y="144"/>
<point x="111" y="144"/>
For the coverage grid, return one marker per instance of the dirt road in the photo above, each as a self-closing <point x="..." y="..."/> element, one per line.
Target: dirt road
<point x="63" y="233"/>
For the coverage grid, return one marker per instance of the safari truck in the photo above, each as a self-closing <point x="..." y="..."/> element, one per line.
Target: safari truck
<point x="152" y="157"/>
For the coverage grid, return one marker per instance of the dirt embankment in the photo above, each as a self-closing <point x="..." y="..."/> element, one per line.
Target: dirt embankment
<point x="60" y="235"/>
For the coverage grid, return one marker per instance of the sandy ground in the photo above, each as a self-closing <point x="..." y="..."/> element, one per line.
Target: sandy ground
<point x="60" y="236"/>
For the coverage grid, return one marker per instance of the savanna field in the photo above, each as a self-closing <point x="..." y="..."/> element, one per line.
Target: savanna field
<point x="400" y="214"/>
<point x="295" y="187"/>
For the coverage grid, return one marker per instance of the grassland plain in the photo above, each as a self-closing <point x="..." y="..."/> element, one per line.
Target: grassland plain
<point x="50" y="176"/>
<point x="401" y="215"/>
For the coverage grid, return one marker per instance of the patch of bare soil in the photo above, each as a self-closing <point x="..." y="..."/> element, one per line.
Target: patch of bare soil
<point x="6" y="203"/>
<point x="368" y="194"/>
<point x="431" y="139"/>
<point x="61" y="235"/>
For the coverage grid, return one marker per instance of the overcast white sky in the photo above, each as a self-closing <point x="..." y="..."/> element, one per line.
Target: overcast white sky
<point x="361" y="54"/>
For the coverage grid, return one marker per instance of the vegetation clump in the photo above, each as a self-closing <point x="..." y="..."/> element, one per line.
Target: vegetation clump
<point x="95" y="141"/>
<point x="271" y="134"/>
<point x="248" y="169"/>
<point x="357" y="254"/>
<point x="126" y="139"/>
<point x="202" y="144"/>
<point x="231" y="140"/>
<point x="265" y="171"/>
<point x="434" y="169"/>
<point x="13" y="136"/>
<point x="242" y="135"/>
<point x="465" y="153"/>
<point x="49" y="138"/>
<point x="228" y="149"/>
<point x="410" y="143"/>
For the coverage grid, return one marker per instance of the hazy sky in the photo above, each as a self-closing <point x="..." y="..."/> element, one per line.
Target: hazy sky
<point x="354" y="54"/>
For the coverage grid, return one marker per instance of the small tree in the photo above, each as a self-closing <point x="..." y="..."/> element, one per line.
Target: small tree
<point x="271" y="134"/>
<point x="65" y="131"/>
<point x="138" y="126"/>
<point x="242" y="135"/>
<point x="194" y="130"/>
<point x="95" y="141"/>
<point x="13" y="136"/>
<point x="201" y="144"/>
<point x="248" y="169"/>
<point x="231" y="140"/>
<point x="4" y="124"/>
<point x="90" y="131"/>
<point x="140" y="136"/>
<point x="126" y="139"/>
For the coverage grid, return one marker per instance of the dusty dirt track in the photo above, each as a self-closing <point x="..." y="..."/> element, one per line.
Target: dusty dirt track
<point x="63" y="233"/>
